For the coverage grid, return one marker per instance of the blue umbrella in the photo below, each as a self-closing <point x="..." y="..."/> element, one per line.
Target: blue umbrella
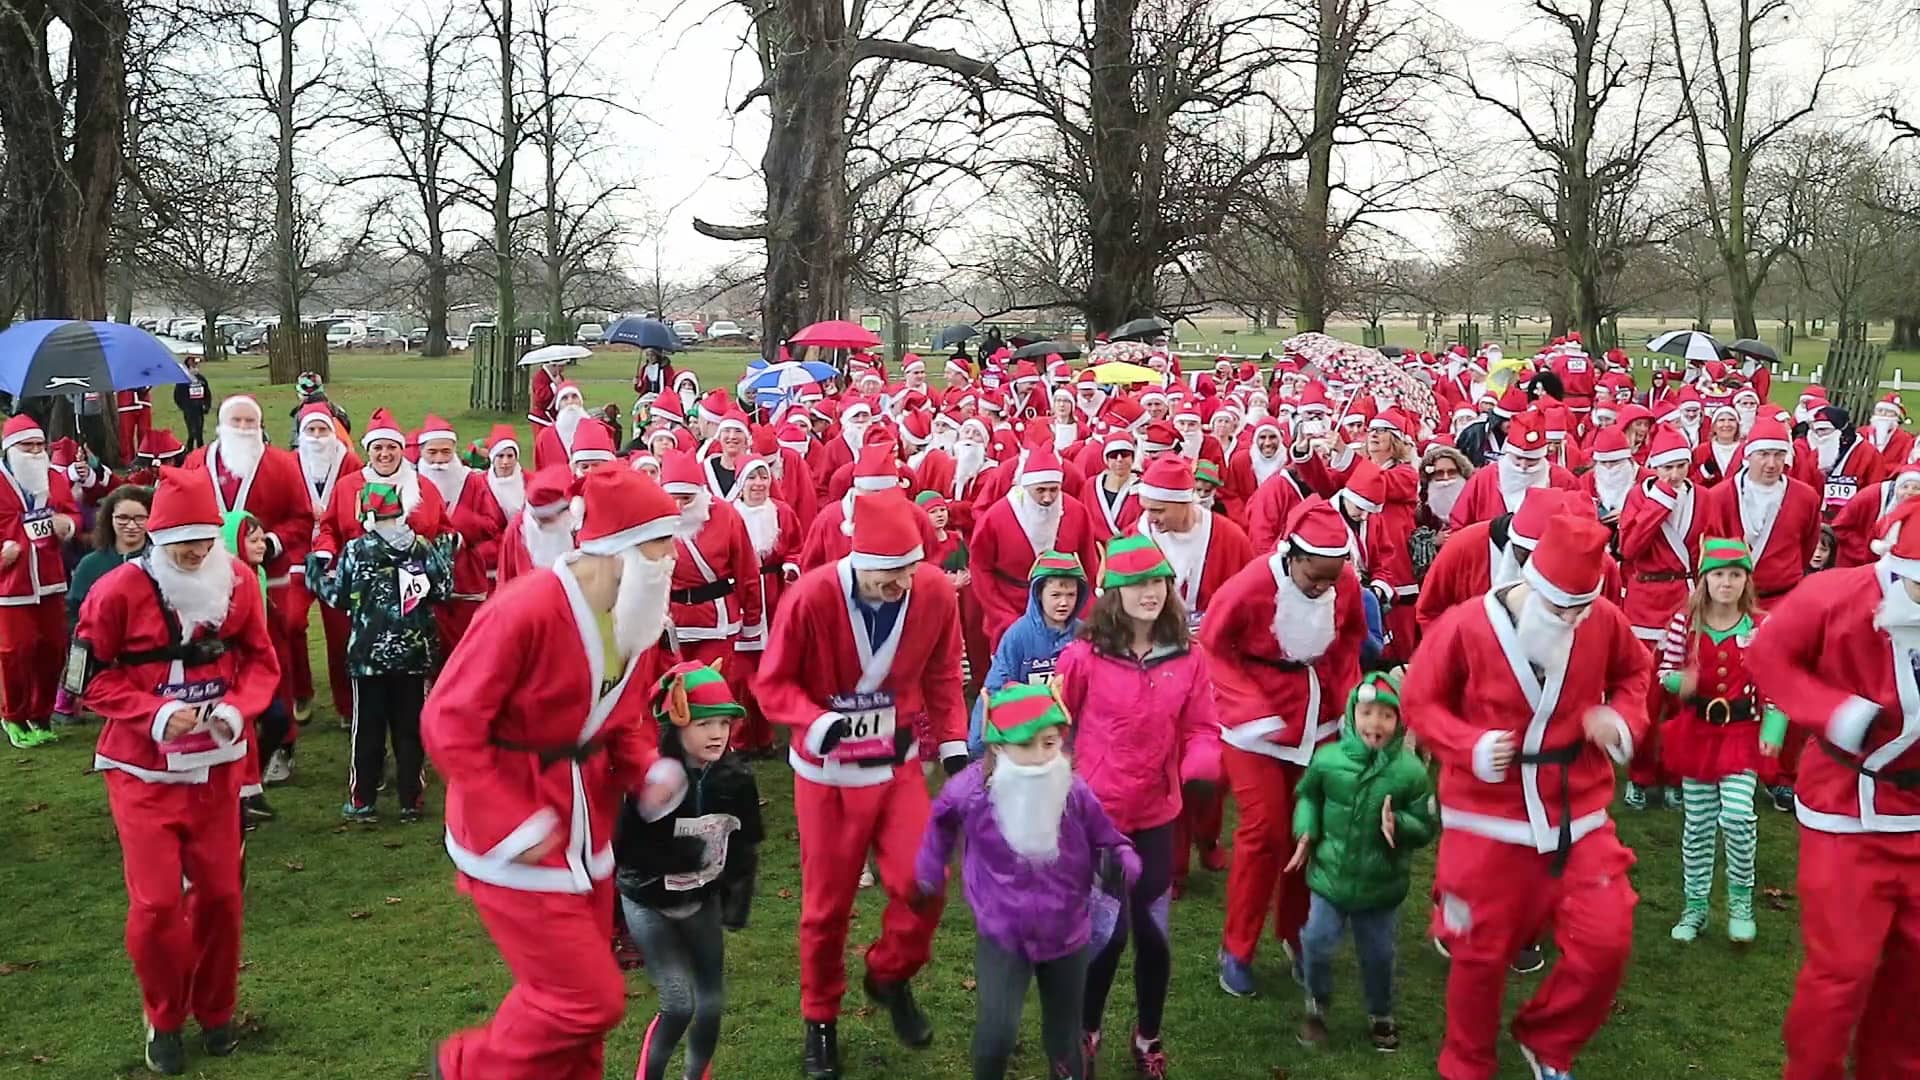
<point x="645" y="333"/>
<point x="789" y="374"/>
<point x="55" y="357"/>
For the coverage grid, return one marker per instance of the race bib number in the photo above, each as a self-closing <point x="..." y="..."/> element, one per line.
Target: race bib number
<point x="712" y="830"/>
<point x="1042" y="673"/>
<point x="39" y="524"/>
<point x="197" y="391"/>
<point x="872" y="717"/>
<point x="1840" y="489"/>
<point x="1193" y="620"/>
<point x="413" y="586"/>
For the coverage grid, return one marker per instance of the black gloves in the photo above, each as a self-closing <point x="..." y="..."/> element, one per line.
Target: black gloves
<point x="955" y="763"/>
<point x="841" y="729"/>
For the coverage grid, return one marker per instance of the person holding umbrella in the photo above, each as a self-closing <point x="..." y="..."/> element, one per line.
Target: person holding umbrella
<point x="37" y="515"/>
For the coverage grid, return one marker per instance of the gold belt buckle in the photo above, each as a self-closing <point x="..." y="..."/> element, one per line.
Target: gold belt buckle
<point x="1724" y="714"/>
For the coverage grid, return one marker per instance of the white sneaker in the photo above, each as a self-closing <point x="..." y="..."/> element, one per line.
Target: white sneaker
<point x="279" y="768"/>
<point x="866" y="877"/>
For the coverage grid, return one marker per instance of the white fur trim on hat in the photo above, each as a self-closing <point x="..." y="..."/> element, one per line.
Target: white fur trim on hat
<point x="614" y="543"/>
<point x="589" y="455"/>
<point x="374" y="435"/>
<point x="1556" y="595"/>
<point x="503" y="445"/>
<point x="19" y="437"/>
<point x="1296" y="544"/>
<point x="1755" y="446"/>
<point x="863" y="561"/>
<point x="1675" y="456"/>
<point x="1044" y="476"/>
<point x="1360" y="501"/>
<point x="1172" y="495"/>
<point x="184" y="534"/>
<point x="683" y="487"/>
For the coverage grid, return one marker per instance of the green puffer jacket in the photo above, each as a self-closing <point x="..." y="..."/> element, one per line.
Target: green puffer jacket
<point x="1338" y="808"/>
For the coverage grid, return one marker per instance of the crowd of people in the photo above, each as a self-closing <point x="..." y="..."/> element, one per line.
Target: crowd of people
<point x="1370" y="624"/>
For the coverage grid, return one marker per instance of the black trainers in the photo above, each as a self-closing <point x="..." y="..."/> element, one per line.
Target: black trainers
<point x="1528" y="960"/>
<point x="220" y="1041"/>
<point x="256" y="808"/>
<point x="409" y="815"/>
<point x="1782" y="797"/>
<point x="1385" y="1034"/>
<point x="910" y="1025"/>
<point x="821" y="1058"/>
<point x="166" y="1053"/>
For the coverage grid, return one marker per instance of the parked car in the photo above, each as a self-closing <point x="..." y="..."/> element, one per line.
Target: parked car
<point x="590" y="333"/>
<point x="417" y="337"/>
<point x="383" y="335"/>
<point x="249" y="338"/>
<point x="177" y="327"/>
<point x="151" y="326"/>
<point x="538" y="337"/>
<point x="723" y="329"/>
<point x="476" y="329"/>
<point x="457" y="343"/>
<point x="686" y="332"/>
<point x="344" y="335"/>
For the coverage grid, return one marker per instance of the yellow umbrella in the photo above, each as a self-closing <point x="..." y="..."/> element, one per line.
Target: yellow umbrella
<point x="1119" y="371"/>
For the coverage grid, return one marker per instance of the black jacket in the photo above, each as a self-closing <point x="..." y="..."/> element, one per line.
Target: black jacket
<point x="723" y="803"/>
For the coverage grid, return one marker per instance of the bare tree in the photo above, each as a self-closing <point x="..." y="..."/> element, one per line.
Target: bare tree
<point x="212" y="252"/>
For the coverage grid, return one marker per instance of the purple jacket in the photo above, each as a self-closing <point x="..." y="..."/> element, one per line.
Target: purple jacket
<point x="1034" y="910"/>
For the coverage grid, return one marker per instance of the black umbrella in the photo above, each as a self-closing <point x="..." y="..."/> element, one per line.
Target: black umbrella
<point x="953" y="335"/>
<point x="1067" y="350"/>
<point x="1755" y="348"/>
<point x="1029" y="337"/>
<point x="1392" y="350"/>
<point x="1141" y="329"/>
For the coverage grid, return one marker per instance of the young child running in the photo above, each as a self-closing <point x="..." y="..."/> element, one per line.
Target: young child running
<point x="1035" y="834"/>
<point x="1720" y="734"/>
<point x="684" y="876"/>
<point x="1364" y="806"/>
<point x="1057" y="596"/>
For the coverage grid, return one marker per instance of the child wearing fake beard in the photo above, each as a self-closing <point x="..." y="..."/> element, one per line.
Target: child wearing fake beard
<point x="1035" y="836"/>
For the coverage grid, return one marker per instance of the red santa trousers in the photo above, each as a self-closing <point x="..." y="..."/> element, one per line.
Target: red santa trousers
<point x="1263" y="787"/>
<point x="752" y="733"/>
<point x="1494" y="899"/>
<point x="334" y="623"/>
<point x="1404" y="628"/>
<point x="1198" y="826"/>
<point x="1860" y="922"/>
<point x="452" y="619"/>
<point x="185" y="945"/>
<point x="838" y="827"/>
<point x="567" y="988"/>
<point x="33" y="656"/>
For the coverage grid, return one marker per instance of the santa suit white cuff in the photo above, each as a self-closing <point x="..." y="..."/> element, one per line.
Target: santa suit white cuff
<point x="1665" y="496"/>
<point x="790" y="568"/>
<point x="164" y="714"/>
<point x="230" y="716"/>
<point x="817" y="732"/>
<point x="953" y="749"/>
<point x="665" y="771"/>
<point x="1483" y="768"/>
<point x="1623" y="752"/>
<point x="538" y="826"/>
<point x="1847" y="727"/>
<point x="274" y="546"/>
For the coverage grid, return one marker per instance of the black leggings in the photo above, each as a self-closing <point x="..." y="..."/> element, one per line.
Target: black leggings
<point x="1143" y="911"/>
<point x="387" y="706"/>
<point x="271" y="730"/>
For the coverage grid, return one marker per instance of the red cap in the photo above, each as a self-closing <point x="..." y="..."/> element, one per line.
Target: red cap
<point x="1768" y="434"/>
<point x="433" y="428"/>
<point x="184" y="509"/>
<point x="885" y="533"/>
<point x="1568" y="567"/>
<point x="1366" y="487"/>
<point x="1042" y="467"/>
<point x="875" y="470"/>
<point x="1527" y="435"/>
<point x="680" y="474"/>
<point x="1610" y="444"/>
<point x="1169" y="478"/>
<point x="20" y="429"/>
<point x="591" y="442"/>
<point x="1668" y="447"/>
<point x="1316" y="528"/>
<point x="623" y="508"/>
<point x="382" y="426"/>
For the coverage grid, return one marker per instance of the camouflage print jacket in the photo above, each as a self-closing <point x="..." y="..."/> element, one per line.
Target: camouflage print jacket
<point x="389" y="595"/>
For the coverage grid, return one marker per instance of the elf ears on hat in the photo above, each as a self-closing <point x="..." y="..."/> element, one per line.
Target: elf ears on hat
<point x="691" y="692"/>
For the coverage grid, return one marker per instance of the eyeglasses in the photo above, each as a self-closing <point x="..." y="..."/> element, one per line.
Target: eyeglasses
<point x="123" y="519"/>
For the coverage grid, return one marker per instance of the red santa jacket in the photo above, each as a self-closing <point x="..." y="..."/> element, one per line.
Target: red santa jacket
<point x="1855" y="524"/>
<point x="1223" y="550"/>
<point x="1481" y="499"/>
<point x="529" y="744"/>
<point x="38" y="572"/>
<point x="320" y="496"/>
<point x="1267" y="702"/>
<point x="1268" y="510"/>
<point x="1897" y="449"/>
<point x="275" y="494"/>
<point x="1471" y="681"/>
<point x="820" y="661"/>
<point x="1708" y="469"/>
<point x="713" y="578"/>
<point x="828" y="540"/>
<point x="1112" y="514"/>
<point x="340" y="525"/>
<point x="540" y="396"/>
<point x="137" y="697"/>
<point x="1242" y="480"/>
<point x="477" y="518"/>
<point x="1858" y="467"/>
<point x="1658" y="554"/>
<point x="775" y="533"/>
<point x="515" y="559"/>
<point x="1000" y="558"/>
<point x="1821" y="660"/>
<point x="1780" y="554"/>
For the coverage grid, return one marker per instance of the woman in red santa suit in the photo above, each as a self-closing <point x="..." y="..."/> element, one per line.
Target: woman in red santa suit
<point x="553" y="443"/>
<point x="1036" y="516"/>
<point x="1528" y="741"/>
<point x="864" y="651"/>
<point x="506" y="493"/>
<point x="1111" y="496"/>
<point x="1718" y="455"/>
<point x="386" y="464"/>
<point x="537" y="756"/>
<point x="1522" y="465"/>
<point x="473" y="514"/>
<point x="775" y="533"/>
<point x="1284" y="638"/>
<point x="182" y="660"/>
<point x="542" y="531"/>
<point x="714" y="562"/>
<point x="1883" y="431"/>
<point x="1839" y="661"/>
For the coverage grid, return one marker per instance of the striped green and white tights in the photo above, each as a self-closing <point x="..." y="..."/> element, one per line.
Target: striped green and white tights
<point x="1725" y="806"/>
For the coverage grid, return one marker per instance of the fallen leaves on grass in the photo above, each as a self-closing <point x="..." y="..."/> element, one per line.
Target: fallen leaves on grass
<point x="393" y="900"/>
<point x="358" y="914"/>
<point x="1779" y="899"/>
<point x="295" y="865"/>
<point x="340" y="828"/>
<point x="390" y="844"/>
<point x="34" y="808"/>
<point x="16" y="967"/>
<point x="785" y="894"/>
<point x="863" y="1011"/>
<point x="41" y="1059"/>
<point x="968" y="984"/>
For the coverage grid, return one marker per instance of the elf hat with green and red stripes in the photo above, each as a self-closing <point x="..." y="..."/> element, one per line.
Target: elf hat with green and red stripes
<point x="1057" y="564"/>
<point x="380" y="502"/>
<point x="691" y="692"/>
<point x="1132" y="559"/>
<point x="1207" y="472"/>
<point x="1018" y="712"/>
<point x="1722" y="551"/>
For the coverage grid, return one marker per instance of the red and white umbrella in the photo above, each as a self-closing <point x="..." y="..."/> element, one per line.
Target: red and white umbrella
<point x="1365" y="371"/>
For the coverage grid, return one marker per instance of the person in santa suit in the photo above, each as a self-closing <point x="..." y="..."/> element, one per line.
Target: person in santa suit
<point x="181" y="660"/>
<point x="506" y="483"/>
<point x="1611" y="480"/>
<point x="856" y="415"/>
<point x="733" y="440"/>
<point x="1522" y="465"/>
<point x="785" y="449"/>
<point x="1110" y="496"/>
<point x="1859" y="521"/>
<point x="864" y="651"/>
<point x="1284" y="638"/>
<point x="592" y="446"/>
<point x="1444" y="473"/>
<point x="543" y="398"/>
<point x="133" y="411"/>
<point x="1068" y="426"/>
<point x="473" y="515"/>
<point x="426" y="511"/>
<point x="159" y="449"/>
<point x="1194" y="443"/>
<point x="713" y="568"/>
<point x="1255" y="462"/>
<point x="1777" y="516"/>
<point x="1839" y="662"/>
<point x="37" y="515"/>
<point x="1486" y="555"/>
<point x="1718" y="455"/>
<point x="1840" y="459"/>
<point x="1036" y="516"/>
<point x="553" y="441"/>
<point x="1885" y="433"/>
<point x="830" y="537"/>
<point x="775" y="532"/>
<point x="1527" y="742"/>
<point x="537" y="751"/>
<point x="880" y="432"/>
<point x="542" y="532"/>
<point x="323" y="460"/>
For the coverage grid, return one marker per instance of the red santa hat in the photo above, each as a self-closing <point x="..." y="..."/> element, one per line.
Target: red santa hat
<point x="1169" y="478"/>
<point x="885" y="535"/>
<point x="1159" y="435"/>
<point x="875" y="470"/>
<point x="1395" y="421"/>
<point x="1892" y="401"/>
<point x="680" y="474"/>
<point x="1527" y="435"/>
<point x="1511" y="403"/>
<point x="959" y="365"/>
<point x="667" y="407"/>
<point x="314" y="410"/>
<point x="382" y="426"/>
<point x="1610" y="444"/>
<point x="1558" y="419"/>
<point x="1568" y="567"/>
<point x="1366" y="487"/>
<point x="715" y="405"/>
<point x="573" y="388"/>
<point x="1316" y="528"/>
<point x="1668" y="447"/>
<point x="500" y="440"/>
<point x="1360" y="411"/>
<point x="732" y="419"/>
<point x="1187" y="409"/>
<point x="19" y="429"/>
<point x="911" y="364"/>
<point x="1898" y="544"/>
<point x="1538" y="506"/>
<point x="184" y="509"/>
<point x="1313" y="398"/>
<point x="621" y="508"/>
<point x="160" y="443"/>
<point x="591" y="442"/>
<point x="1042" y="467"/>
<point x="1118" y="441"/>
<point x="434" y="429"/>
<point x="916" y="429"/>
<point x="1768" y="434"/>
<point x="1151" y="395"/>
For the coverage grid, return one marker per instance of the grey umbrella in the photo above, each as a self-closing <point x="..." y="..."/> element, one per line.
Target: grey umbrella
<point x="1067" y="350"/>
<point x="953" y="335"/>
<point x="1150" y="327"/>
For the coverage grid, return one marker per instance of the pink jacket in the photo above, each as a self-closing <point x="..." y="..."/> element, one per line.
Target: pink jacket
<point x="1140" y="730"/>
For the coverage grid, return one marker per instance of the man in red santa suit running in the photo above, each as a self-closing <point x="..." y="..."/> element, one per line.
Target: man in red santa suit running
<point x="1839" y="660"/>
<point x="842" y="448"/>
<point x="1258" y="460"/>
<point x="542" y="532"/>
<point x="181" y="658"/>
<point x="1036" y="516"/>
<point x="553" y="443"/>
<point x="1840" y="460"/>
<point x="714" y="566"/>
<point x="324" y="459"/>
<point x="1778" y="516"/>
<point x="1528" y="740"/>
<point x="1883" y="431"/>
<point x="865" y="651"/>
<point x="1522" y="465"/>
<point x="830" y="537"/>
<point x="1284" y="637"/>
<point x="1857" y="523"/>
<point x="37" y="515"/>
<point x="537" y="752"/>
<point x="473" y="515"/>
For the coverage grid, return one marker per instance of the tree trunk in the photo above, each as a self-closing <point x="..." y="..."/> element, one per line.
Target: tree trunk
<point x="1316" y="243"/>
<point x="505" y="318"/>
<point x="286" y="253"/>
<point x="436" y="300"/>
<point x="1120" y="285"/>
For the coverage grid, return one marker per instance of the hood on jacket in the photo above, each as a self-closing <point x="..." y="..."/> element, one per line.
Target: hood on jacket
<point x="1384" y="687"/>
<point x="1054" y="565"/>
<point x="231" y="523"/>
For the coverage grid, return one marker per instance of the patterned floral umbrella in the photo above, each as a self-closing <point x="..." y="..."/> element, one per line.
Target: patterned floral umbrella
<point x="1127" y="352"/>
<point x="1368" y="369"/>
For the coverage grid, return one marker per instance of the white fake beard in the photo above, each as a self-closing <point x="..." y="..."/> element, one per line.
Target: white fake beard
<point x="968" y="459"/>
<point x="448" y="477"/>
<point x="1190" y="444"/>
<point x="855" y="434"/>
<point x="694" y="516"/>
<point x="640" y="604"/>
<point x="1065" y="434"/>
<point x="30" y="471"/>
<point x="1265" y="466"/>
<point x="240" y="451"/>
<point x="1760" y="504"/>
<point x="199" y="597"/>
<point x="1302" y="625"/>
<point x="943" y="440"/>
<point x="318" y="455"/>
<point x="1883" y="430"/>
<point x="1040" y="523"/>
<point x="1443" y="494"/>
<point x="509" y="491"/>
<point x="1545" y="640"/>
<point x="763" y="526"/>
<point x="1514" y="483"/>
<point x="567" y="423"/>
<point x="1612" y="480"/>
<point x="1028" y="802"/>
<point x="1747" y="415"/>
<point x="547" y="543"/>
<point x="1690" y="430"/>
<point x="1897" y="613"/>
<point x="1826" y="449"/>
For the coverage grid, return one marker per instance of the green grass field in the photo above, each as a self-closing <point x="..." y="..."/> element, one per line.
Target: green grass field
<point x="360" y="954"/>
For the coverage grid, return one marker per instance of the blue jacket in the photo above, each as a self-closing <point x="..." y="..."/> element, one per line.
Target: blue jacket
<point x="1026" y="653"/>
<point x="1376" y="642"/>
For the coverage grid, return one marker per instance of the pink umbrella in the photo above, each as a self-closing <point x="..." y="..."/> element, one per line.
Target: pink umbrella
<point x="836" y="334"/>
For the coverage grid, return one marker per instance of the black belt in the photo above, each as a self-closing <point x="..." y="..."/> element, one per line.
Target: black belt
<point x="1010" y="579"/>
<point x="701" y="594"/>
<point x="1562" y="757"/>
<point x="1278" y="663"/>
<point x="1719" y="710"/>
<point x="189" y="654"/>
<point x="774" y="568"/>
<point x="549" y="755"/>
<point x="1904" y="779"/>
<point x="1661" y="575"/>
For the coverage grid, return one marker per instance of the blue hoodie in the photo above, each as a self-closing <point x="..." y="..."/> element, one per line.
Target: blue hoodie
<point x="1027" y="652"/>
